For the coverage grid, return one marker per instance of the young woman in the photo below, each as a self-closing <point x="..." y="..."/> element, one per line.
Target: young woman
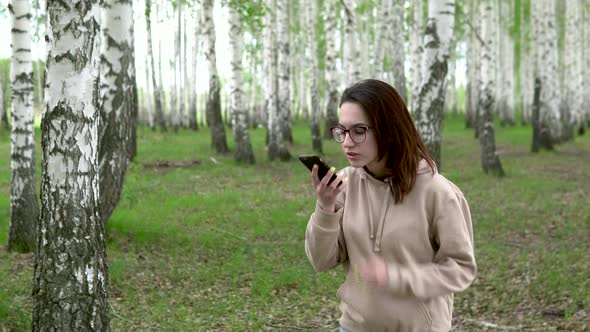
<point x="401" y="231"/>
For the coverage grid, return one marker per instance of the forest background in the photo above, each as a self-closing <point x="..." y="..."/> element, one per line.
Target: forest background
<point x="173" y="261"/>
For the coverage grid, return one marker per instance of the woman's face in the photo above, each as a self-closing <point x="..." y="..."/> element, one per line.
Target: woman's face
<point x="362" y="154"/>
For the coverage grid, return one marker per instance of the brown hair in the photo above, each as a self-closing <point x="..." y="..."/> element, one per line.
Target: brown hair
<point x="397" y="138"/>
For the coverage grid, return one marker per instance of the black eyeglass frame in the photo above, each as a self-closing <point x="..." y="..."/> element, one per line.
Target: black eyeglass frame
<point x="347" y="131"/>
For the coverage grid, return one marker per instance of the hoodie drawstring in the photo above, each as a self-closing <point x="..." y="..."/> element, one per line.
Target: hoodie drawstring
<point x="372" y="235"/>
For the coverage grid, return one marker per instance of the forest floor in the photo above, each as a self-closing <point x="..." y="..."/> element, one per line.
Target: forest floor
<point x="200" y="243"/>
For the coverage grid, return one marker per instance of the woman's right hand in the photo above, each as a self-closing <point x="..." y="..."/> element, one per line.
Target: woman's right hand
<point x="327" y="193"/>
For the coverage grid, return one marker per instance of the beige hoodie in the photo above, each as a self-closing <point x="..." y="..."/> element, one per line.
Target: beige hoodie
<point x="426" y="241"/>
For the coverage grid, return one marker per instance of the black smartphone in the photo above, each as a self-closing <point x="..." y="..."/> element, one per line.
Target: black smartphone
<point x="312" y="159"/>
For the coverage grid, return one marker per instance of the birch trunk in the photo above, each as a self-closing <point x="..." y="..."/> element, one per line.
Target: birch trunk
<point x="283" y="79"/>
<point x="277" y="82"/>
<point x="3" y="113"/>
<point x="506" y="63"/>
<point x="116" y="92"/>
<point x="24" y="210"/>
<point x="218" y="139"/>
<point x="331" y="73"/>
<point x="71" y="274"/>
<point x="244" y="151"/>
<point x="526" y="70"/>
<point x="192" y="118"/>
<point x="159" y="116"/>
<point x="383" y="22"/>
<point x="428" y="109"/>
<point x="574" y="82"/>
<point x="546" y="68"/>
<point x="586" y="27"/>
<point x="312" y="64"/>
<point x="398" y="55"/>
<point x="175" y="88"/>
<point x="490" y="162"/>
<point x="303" y="88"/>
<point x="149" y="116"/>
<point x="353" y="73"/>
<point x="416" y="49"/>
<point x="185" y="86"/>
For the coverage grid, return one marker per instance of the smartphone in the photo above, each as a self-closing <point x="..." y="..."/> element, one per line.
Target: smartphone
<point x="312" y="159"/>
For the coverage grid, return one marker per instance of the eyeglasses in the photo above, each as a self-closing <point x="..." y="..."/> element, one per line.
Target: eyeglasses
<point x="357" y="134"/>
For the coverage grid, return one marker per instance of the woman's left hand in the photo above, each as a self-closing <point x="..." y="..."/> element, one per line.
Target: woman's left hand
<point x="375" y="272"/>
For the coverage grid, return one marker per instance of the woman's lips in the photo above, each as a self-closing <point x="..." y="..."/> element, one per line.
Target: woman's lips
<point x="351" y="155"/>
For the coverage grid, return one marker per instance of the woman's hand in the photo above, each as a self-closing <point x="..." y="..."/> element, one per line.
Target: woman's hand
<point x="327" y="193"/>
<point x="374" y="271"/>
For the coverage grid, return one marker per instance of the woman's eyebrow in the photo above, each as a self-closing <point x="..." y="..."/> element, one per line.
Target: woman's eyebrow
<point x="360" y="124"/>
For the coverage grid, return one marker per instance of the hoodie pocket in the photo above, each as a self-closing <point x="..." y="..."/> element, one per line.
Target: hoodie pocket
<point x="382" y="310"/>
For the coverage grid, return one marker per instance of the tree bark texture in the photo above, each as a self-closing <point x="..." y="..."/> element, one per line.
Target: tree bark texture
<point x="331" y="72"/>
<point x="158" y="101"/>
<point x="24" y="209"/>
<point x="218" y="138"/>
<point x="117" y="85"/>
<point x="416" y="49"/>
<point x="284" y="73"/>
<point x="396" y="41"/>
<point x="547" y="66"/>
<point x="244" y="152"/>
<point x="312" y="65"/>
<point x="490" y="161"/>
<point x="71" y="274"/>
<point x="428" y="109"/>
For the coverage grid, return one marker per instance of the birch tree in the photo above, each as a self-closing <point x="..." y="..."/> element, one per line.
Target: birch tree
<point x="71" y="274"/>
<point x="546" y="69"/>
<point x="396" y="40"/>
<point x="175" y="88"/>
<point x="574" y="82"/>
<point x="3" y="113"/>
<point x="353" y="73"/>
<point x="383" y="22"/>
<point x="416" y="49"/>
<point x="192" y="109"/>
<point x="218" y="138"/>
<point x="24" y="210"/>
<point x="243" y="151"/>
<point x="506" y="63"/>
<point x="284" y="75"/>
<point x="472" y="63"/>
<point x="331" y="73"/>
<point x="159" y="112"/>
<point x="428" y="108"/>
<point x="276" y="142"/>
<point x="117" y="101"/>
<point x="490" y="162"/>
<point x="526" y="68"/>
<point x="312" y="64"/>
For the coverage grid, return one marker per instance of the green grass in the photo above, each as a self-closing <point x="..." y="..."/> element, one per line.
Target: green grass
<point x="219" y="246"/>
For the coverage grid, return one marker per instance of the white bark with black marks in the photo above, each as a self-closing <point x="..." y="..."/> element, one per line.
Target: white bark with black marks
<point x="505" y="46"/>
<point x="547" y="68"/>
<point x="312" y="66"/>
<point x="158" y="96"/>
<point x="490" y="161"/>
<point x="574" y="81"/>
<point x="218" y="138"/>
<point x="332" y="78"/>
<point x="284" y="74"/>
<point x="416" y="48"/>
<point x="526" y="69"/>
<point x="24" y="209"/>
<point x="117" y="101"/>
<point x="383" y="21"/>
<point x="352" y="52"/>
<point x="71" y="274"/>
<point x="428" y="108"/>
<point x="243" y="151"/>
<point x="396" y="41"/>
